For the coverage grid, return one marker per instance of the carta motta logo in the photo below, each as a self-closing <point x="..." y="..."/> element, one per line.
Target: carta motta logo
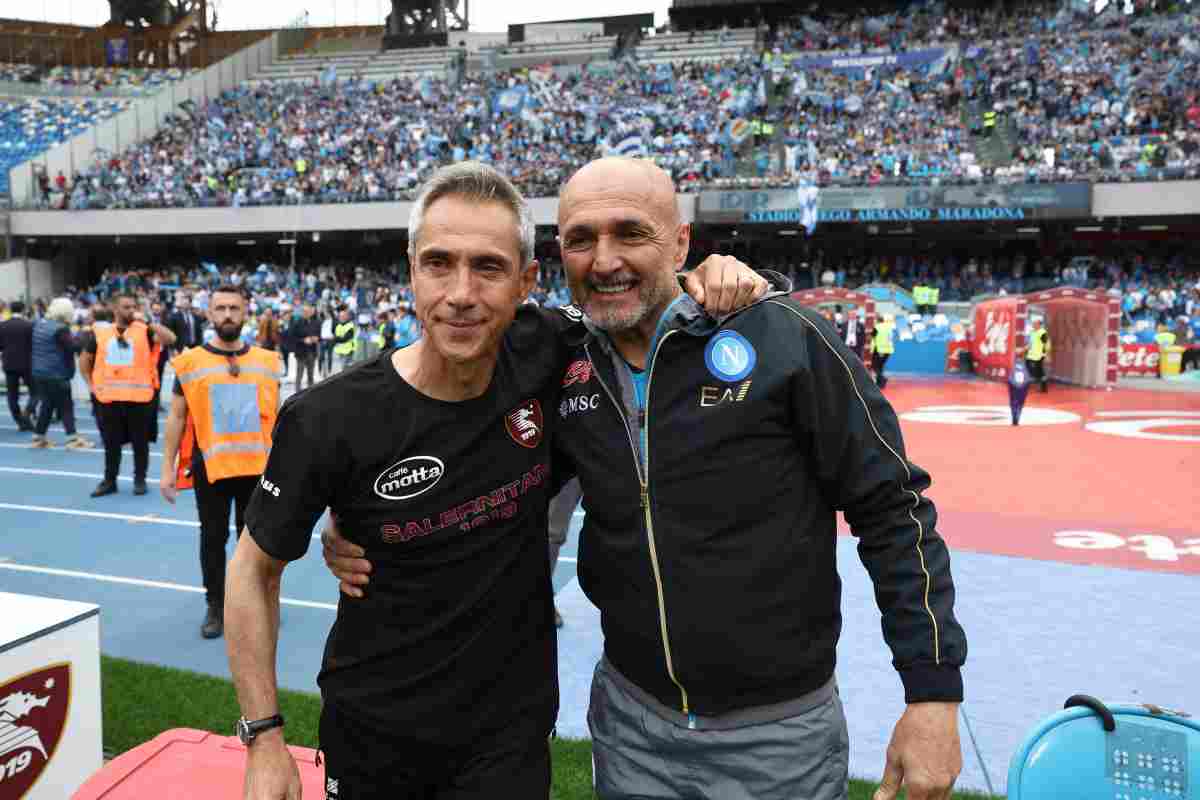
<point x="33" y="713"/>
<point x="409" y="478"/>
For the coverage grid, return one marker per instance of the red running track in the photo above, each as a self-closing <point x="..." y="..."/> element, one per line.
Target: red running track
<point x="1107" y="486"/>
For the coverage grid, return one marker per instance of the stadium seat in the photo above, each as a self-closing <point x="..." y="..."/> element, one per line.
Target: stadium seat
<point x="1090" y="750"/>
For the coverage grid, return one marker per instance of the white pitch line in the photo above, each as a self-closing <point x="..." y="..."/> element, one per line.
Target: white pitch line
<point x="51" y="430"/>
<point x="75" y="512"/>
<point x="54" y="473"/>
<point x="568" y="559"/>
<point x="147" y="518"/>
<point x="178" y="587"/>
<point x="153" y="454"/>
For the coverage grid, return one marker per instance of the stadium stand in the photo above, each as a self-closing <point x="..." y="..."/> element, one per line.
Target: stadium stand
<point x="30" y="127"/>
<point x="362" y="60"/>
<point x="722" y="45"/>
<point x="581" y="51"/>
<point x="961" y="98"/>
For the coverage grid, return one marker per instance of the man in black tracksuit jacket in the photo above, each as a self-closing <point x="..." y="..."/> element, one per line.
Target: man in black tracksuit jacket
<point x="716" y="519"/>
<point x="713" y="458"/>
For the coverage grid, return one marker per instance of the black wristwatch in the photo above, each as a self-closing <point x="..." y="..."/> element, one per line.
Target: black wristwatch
<point x="248" y="731"/>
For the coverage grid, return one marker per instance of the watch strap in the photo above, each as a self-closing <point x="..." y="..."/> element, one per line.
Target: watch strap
<point x="255" y="727"/>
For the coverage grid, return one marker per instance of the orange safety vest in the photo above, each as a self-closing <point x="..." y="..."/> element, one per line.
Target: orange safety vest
<point x="125" y="373"/>
<point x="230" y="419"/>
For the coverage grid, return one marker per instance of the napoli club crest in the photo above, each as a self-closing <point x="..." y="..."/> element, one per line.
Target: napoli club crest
<point x="524" y="424"/>
<point x="729" y="356"/>
<point x="33" y="712"/>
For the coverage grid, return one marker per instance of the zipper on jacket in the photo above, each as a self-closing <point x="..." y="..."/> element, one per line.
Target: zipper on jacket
<point x="643" y="468"/>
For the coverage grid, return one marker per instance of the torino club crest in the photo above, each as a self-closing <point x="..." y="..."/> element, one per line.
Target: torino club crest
<point x="33" y="711"/>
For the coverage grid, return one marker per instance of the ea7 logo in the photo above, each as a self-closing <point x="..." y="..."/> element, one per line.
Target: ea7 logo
<point x="33" y="712"/>
<point x="716" y="395"/>
<point x="269" y="487"/>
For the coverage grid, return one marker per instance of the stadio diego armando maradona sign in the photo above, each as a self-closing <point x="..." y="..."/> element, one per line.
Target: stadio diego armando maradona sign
<point x="1008" y="202"/>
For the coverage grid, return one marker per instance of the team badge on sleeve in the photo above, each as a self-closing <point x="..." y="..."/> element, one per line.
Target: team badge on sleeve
<point x="524" y="424"/>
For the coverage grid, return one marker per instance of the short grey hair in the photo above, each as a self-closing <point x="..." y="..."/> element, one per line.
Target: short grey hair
<point x="478" y="183"/>
<point x="61" y="310"/>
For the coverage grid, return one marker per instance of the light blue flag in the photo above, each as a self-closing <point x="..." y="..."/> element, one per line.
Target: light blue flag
<point x="511" y="100"/>
<point x="807" y="197"/>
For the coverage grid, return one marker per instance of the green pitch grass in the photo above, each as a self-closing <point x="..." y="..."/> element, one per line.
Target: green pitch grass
<point x="142" y="701"/>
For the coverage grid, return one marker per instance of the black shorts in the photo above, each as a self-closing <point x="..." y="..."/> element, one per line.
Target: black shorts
<point x="365" y="764"/>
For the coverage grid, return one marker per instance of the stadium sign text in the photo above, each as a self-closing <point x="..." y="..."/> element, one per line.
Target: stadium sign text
<point x="893" y="215"/>
<point x="982" y="203"/>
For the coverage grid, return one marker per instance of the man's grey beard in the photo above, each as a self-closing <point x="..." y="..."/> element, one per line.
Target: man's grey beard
<point x="651" y="298"/>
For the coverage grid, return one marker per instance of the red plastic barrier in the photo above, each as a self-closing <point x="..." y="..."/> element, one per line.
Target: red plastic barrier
<point x="1138" y="359"/>
<point x="994" y="342"/>
<point x="187" y="764"/>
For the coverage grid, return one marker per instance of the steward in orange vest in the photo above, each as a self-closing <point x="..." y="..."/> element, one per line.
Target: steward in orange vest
<point x="229" y="417"/>
<point x="120" y="368"/>
<point x="125" y="369"/>
<point x="220" y="428"/>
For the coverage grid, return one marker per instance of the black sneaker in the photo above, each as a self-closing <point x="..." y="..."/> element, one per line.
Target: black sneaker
<point x="214" y="623"/>
<point x="104" y="488"/>
<point x="139" y="487"/>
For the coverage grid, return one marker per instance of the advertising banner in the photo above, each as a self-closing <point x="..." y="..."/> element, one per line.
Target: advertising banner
<point x="845" y="62"/>
<point x="1139" y="360"/>
<point x="116" y="52"/>
<point x="994" y="342"/>
<point x="985" y="202"/>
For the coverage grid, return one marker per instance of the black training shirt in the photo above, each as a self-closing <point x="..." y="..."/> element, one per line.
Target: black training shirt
<point x="455" y="636"/>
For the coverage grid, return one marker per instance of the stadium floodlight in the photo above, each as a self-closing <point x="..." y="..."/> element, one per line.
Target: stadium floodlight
<point x="246" y="242"/>
<point x="1089" y="228"/>
<point x="1152" y="227"/>
<point x="1029" y="230"/>
<point x="287" y="241"/>
<point x="789" y="232"/>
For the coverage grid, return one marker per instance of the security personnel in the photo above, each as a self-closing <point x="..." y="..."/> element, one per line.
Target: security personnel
<point x="882" y="347"/>
<point x="989" y="123"/>
<point x="919" y="293"/>
<point x="120" y="366"/>
<point x="344" y="334"/>
<point x="1039" y="350"/>
<point x="219" y="435"/>
<point x="1164" y="337"/>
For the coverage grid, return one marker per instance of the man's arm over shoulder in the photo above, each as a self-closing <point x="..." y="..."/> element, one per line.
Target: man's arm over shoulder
<point x="859" y="459"/>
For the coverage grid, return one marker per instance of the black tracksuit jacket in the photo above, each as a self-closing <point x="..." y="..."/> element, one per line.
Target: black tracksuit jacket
<point x="713" y="560"/>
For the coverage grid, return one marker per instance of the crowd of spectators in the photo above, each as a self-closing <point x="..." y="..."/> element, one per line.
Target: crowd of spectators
<point x="1079" y="99"/>
<point x="379" y="299"/>
<point x="92" y="80"/>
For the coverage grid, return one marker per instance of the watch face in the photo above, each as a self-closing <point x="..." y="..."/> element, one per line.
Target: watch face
<point x="243" y="732"/>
